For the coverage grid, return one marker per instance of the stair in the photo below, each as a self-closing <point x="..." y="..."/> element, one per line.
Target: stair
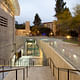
<point x="40" y="73"/>
<point x="34" y="73"/>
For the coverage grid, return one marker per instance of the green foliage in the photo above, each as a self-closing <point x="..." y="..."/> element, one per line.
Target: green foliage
<point x="75" y="24"/>
<point x="45" y="30"/>
<point x="40" y="30"/>
<point x="60" y="7"/>
<point x="64" y="22"/>
<point x="20" y="26"/>
<point x="77" y="10"/>
<point x="34" y="30"/>
<point x="37" y="20"/>
<point x="64" y="17"/>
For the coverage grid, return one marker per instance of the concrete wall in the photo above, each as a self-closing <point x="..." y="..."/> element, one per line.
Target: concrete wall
<point x="6" y="36"/>
<point x="59" y="62"/>
<point x="19" y="42"/>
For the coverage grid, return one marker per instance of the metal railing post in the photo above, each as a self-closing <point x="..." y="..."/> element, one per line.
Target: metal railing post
<point x="68" y="74"/>
<point x="53" y="69"/>
<point x="47" y="62"/>
<point x="3" y="72"/>
<point x="50" y="62"/>
<point x="4" y="62"/>
<point x="33" y="63"/>
<point x="27" y="71"/>
<point x="8" y="63"/>
<point x="24" y="74"/>
<point x="16" y="74"/>
<point x="58" y="73"/>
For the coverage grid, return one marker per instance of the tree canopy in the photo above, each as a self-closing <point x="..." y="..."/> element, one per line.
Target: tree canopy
<point x="20" y="26"/>
<point x="60" y="7"/>
<point x="76" y="19"/>
<point x="63" y="17"/>
<point x="37" y="20"/>
<point x="41" y="31"/>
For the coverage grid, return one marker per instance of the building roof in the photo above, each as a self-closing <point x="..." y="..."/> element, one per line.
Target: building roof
<point x="47" y="22"/>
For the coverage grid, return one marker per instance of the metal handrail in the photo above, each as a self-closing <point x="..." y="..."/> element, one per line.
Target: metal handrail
<point x="11" y="70"/>
<point x="61" y="69"/>
<point x="23" y="68"/>
<point x="50" y="64"/>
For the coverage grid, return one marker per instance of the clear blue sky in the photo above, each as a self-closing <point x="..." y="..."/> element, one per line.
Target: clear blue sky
<point x="45" y="9"/>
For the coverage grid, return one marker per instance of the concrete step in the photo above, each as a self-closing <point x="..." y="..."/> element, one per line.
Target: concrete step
<point x="40" y="73"/>
<point x="34" y="73"/>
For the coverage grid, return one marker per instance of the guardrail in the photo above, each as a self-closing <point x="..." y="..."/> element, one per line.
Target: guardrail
<point x="16" y="70"/>
<point x="51" y="63"/>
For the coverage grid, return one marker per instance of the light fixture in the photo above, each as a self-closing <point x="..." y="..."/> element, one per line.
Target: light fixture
<point x="63" y="50"/>
<point x="74" y="56"/>
<point x="68" y="36"/>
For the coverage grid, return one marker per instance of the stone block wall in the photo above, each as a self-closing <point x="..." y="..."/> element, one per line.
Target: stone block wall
<point x="6" y="36"/>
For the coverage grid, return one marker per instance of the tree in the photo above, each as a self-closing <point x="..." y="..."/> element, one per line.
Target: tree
<point x="45" y="31"/>
<point x="37" y="20"/>
<point x="34" y="30"/>
<point x="63" y="17"/>
<point x="60" y="7"/>
<point x="77" y="10"/>
<point x="75" y="23"/>
<point x="20" y="26"/>
<point x="76" y="20"/>
<point x="16" y="22"/>
<point x="40" y="31"/>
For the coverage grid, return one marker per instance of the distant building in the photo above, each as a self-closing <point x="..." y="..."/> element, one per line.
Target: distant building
<point x="25" y="31"/>
<point x="8" y="9"/>
<point x="51" y="25"/>
<point x="27" y="27"/>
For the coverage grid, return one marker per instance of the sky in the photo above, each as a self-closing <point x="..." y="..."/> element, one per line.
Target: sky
<point x="45" y="9"/>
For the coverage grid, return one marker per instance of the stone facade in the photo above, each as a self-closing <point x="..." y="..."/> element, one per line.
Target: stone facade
<point x="7" y="30"/>
<point x="51" y="25"/>
<point x="6" y="36"/>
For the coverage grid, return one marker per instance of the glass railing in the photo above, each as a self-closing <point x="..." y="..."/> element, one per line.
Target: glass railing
<point x="31" y="61"/>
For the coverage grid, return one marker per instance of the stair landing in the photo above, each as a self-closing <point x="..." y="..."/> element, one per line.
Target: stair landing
<point x="40" y="73"/>
<point x="34" y="73"/>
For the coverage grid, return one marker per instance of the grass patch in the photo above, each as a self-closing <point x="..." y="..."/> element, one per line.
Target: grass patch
<point x="72" y="41"/>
